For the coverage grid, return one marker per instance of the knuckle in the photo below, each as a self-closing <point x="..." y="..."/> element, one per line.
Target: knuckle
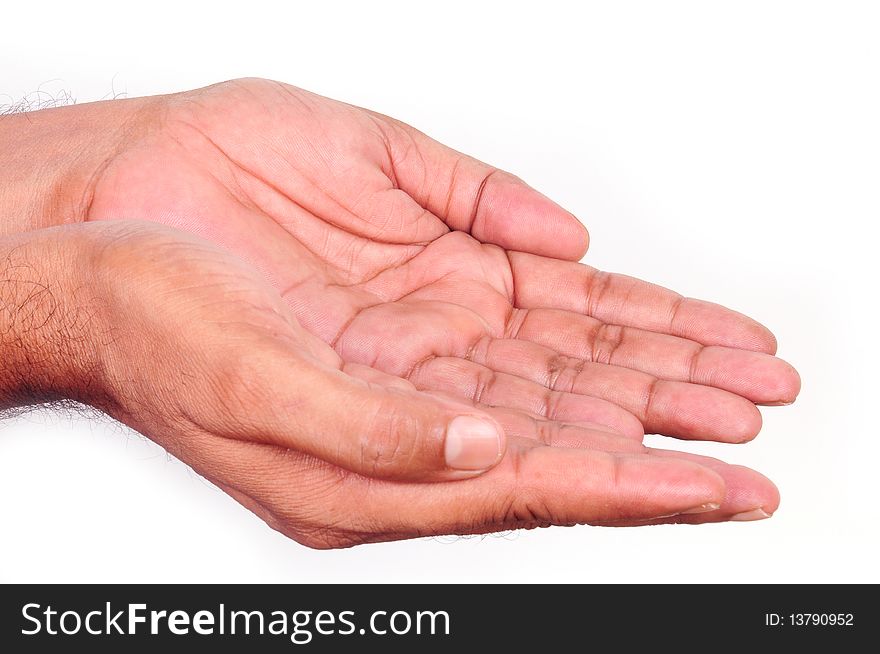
<point x="389" y="444"/>
<point x="596" y="285"/>
<point x="517" y="318"/>
<point x="556" y="365"/>
<point x="484" y="380"/>
<point x="562" y="373"/>
<point x="605" y="341"/>
<point x="694" y="368"/>
<point x="547" y="431"/>
<point x="649" y="403"/>
<point x="522" y="505"/>
<point x="476" y="212"/>
<point x="550" y="404"/>
<point x="524" y="510"/>
<point x="479" y="349"/>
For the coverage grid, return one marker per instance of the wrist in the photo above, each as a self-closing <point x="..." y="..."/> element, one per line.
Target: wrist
<point x="50" y="318"/>
<point x="54" y="157"/>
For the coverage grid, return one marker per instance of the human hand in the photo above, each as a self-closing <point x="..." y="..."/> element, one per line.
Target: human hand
<point x="566" y="346"/>
<point x="349" y="214"/>
<point x="189" y="345"/>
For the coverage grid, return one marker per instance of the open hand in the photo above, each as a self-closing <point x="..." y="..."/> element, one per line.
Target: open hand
<point x="421" y="262"/>
<point x="189" y="345"/>
<point x="367" y="290"/>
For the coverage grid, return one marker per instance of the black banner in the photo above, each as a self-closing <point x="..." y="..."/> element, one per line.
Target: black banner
<point x="430" y="618"/>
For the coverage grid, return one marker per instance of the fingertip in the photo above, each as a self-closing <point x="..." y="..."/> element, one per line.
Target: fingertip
<point x="757" y="500"/>
<point x="515" y="216"/>
<point x="679" y="486"/>
<point x="752" y="335"/>
<point x="703" y="413"/>
<point x="761" y="378"/>
<point x="568" y="237"/>
<point x="474" y="444"/>
<point x="747" y="425"/>
<point x="631" y="427"/>
<point x="748" y="492"/>
<point x="758" y="338"/>
<point x="748" y="495"/>
<point x="581" y="243"/>
<point x="788" y="384"/>
<point x="766" y="496"/>
<point x="713" y="324"/>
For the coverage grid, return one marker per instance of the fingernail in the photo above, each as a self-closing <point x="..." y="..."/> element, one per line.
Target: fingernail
<point x="703" y="508"/>
<point x="778" y="403"/>
<point x="472" y="444"/>
<point x="754" y="514"/>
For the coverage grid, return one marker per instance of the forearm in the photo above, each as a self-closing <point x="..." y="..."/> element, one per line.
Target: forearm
<point x="52" y="158"/>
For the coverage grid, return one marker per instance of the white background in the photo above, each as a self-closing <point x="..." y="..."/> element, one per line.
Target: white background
<point x="728" y="150"/>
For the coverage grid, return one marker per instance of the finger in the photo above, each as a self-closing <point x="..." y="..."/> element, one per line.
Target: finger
<point x="486" y="386"/>
<point x="491" y="205"/>
<point x="276" y="396"/>
<point x="757" y="376"/>
<point x="542" y="283"/>
<point x="541" y="486"/>
<point x="750" y="495"/>
<point x="534" y="486"/>
<point x="517" y="423"/>
<point x="670" y="408"/>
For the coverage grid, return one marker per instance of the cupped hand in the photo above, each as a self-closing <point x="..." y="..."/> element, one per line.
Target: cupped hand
<point x="417" y="261"/>
<point x="190" y="345"/>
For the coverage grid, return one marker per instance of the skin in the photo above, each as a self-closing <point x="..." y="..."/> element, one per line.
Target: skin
<point x="303" y="255"/>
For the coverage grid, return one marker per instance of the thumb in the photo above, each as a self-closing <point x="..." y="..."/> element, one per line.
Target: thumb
<point x="377" y="430"/>
<point x="410" y="435"/>
<point x="491" y="205"/>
